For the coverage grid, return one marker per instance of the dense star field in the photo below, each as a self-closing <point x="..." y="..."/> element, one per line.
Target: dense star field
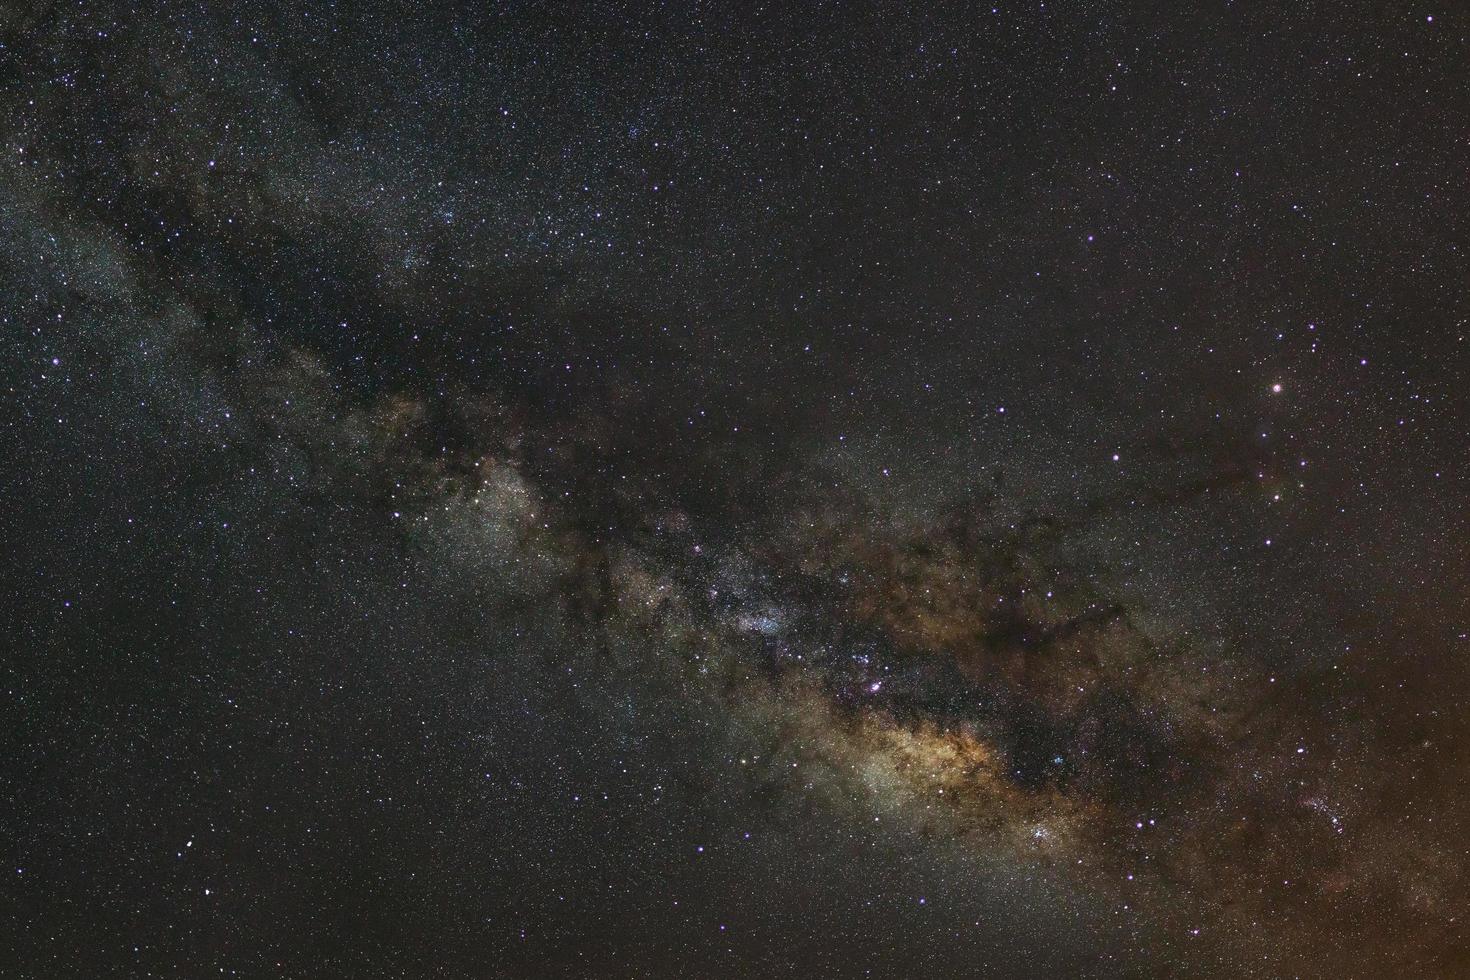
<point x="704" y="490"/>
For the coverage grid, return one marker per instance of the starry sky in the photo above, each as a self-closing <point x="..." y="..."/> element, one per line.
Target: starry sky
<point x="861" y="489"/>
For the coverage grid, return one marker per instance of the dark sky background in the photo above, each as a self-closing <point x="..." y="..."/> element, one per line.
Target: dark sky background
<point x="694" y="490"/>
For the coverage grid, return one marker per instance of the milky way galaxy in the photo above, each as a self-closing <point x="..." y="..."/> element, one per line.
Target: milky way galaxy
<point x="818" y="490"/>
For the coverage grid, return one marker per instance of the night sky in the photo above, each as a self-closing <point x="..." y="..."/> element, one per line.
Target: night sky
<point x="872" y="489"/>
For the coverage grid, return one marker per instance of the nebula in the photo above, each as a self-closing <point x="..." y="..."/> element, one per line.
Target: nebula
<point x="699" y="493"/>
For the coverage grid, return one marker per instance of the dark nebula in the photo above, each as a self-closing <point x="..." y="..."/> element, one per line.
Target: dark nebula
<point x="855" y="490"/>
